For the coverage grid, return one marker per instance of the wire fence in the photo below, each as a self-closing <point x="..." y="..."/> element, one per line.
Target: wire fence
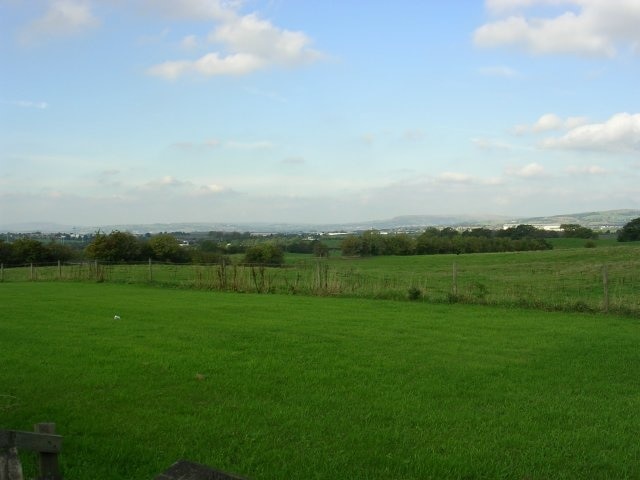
<point x="572" y="286"/>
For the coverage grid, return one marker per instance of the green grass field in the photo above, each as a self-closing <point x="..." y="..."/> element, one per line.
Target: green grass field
<point x="567" y="278"/>
<point x="274" y="387"/>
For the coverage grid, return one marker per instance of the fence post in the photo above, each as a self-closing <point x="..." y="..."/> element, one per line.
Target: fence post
<point x="455" y="279"/>
<point x="150" y="271"/>
<point x="31" y="272"/>
<point x="605" y="284"/>
<point x="49" y="468"/>
<point x="1" y="272"/>
<point x="59" y="270"/>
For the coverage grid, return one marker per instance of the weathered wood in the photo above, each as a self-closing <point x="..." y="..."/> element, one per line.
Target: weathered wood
<point x="48" y="461"/>
<point x="10" y="466"/>
<point x="186" y="470"/>
<point x="35" y="442"/>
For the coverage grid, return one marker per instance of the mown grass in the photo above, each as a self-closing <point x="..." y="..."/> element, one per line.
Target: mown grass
<point x="303" y="387"/>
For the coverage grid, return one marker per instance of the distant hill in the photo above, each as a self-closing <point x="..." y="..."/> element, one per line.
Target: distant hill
<point x="610" y="219"/>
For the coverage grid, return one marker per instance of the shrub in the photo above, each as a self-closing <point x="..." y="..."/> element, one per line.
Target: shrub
<point x="414" y="293"/>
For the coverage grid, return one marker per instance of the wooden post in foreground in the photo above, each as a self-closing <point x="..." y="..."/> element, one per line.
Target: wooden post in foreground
<point x="49" y="468"/>
<point x="150" y="271"/>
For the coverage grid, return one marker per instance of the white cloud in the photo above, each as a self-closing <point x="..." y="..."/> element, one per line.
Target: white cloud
<point x="62" y="18"/>
<point x="29" y="104"/>
<point x="293" y="161"/>
<point x="621" y="133"/>
<point x="262" y="39"/>
<point x="189" y="42"/>
<point x="586" y="170"/>
<point x="550" y="122"/>
<point x="211" y="64"/>
<point x="259" y="145"/>
<point x="583" y="27"/>
<point x="531" y="170"/>
<point x="250" y="44"/>
<point x="489" y="144"/>
<point x="498" y="71"/>
<point x="197" y="10"/>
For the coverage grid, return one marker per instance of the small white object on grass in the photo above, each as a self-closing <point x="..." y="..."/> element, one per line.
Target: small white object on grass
<point x="116" y="317"/>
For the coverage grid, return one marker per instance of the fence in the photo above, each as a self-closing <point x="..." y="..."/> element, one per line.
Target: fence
<point x="559" y="284"/>
<point x="44" y="442"/>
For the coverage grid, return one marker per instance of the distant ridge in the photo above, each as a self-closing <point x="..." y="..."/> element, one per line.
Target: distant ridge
<point x="609" y="218"/>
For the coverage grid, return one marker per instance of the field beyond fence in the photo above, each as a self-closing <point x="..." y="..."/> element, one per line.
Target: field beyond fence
<point x="604" y="279"/>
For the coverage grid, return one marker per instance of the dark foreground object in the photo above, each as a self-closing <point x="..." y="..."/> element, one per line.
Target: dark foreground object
<point x="185" y="470"/>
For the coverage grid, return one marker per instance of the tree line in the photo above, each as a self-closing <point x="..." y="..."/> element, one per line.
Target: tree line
<point x="125" y="247"/>
<point x="449" y="240"/>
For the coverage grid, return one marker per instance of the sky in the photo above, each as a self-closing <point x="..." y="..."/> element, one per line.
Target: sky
<point x="301" y="111"/>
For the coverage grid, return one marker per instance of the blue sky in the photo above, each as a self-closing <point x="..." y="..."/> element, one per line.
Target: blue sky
<point x="143" y="111"/>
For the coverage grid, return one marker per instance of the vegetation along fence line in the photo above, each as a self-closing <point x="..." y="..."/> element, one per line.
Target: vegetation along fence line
<point x="572" y="286"/>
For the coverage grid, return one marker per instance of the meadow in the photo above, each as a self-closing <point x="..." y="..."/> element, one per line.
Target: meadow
<point x="284" y="386"/>
<point x="569" y="278"/>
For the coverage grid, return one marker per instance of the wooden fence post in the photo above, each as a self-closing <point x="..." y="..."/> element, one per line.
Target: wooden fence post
<point x="605" y="284"/>
<point x="10" y="466"/>
<point x="49" y="468"/>
<point x="150" y="270"/>
<point x="455" y="279"/>
<point x="31" y="272"/>
<point x="1" y="272"/>
<point x="59" y="270"/>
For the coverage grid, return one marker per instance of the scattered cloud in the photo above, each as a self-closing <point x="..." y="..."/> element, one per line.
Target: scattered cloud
<point x="550" y="122"/>
<point x="192" y="10"/>
<point x="455" y="177"/>
<point x="259" y="145"/>
<point x="63" y="18"/>
<point x="586" y="170"/>
<point x="190" y="42"/>
<point x="293" y="161"/>
<point x="621" y="133"/>
<point x="249" y="44"/>
<point x="490" y="144"/>
<point x="186" y="145"/>
<point x="498" y="71"/>
<point x="531" y="170"/>
<point x="413" y="135"/>
<point x="580" y="27"/>
<point x="465" y="179"/>
<point x="29" y="104"/>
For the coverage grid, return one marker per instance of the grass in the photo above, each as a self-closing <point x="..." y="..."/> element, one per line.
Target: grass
<point x="567" y="278"/>
<point x="275" y="387"/>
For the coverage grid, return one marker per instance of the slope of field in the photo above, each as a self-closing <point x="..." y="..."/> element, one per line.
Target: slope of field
<point x="274" y="387"/>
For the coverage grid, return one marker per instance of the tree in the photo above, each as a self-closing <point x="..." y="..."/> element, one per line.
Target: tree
<point x="351" y="246"/>
<point x="320" y="249"/>
<point x="28" y="250"/>
<point x="630" y="232"/>
<point x="6" y="252"/>
<point x="165" y="247"/>
<point x="114" y="247"/>
<point x="264" y="254"/>
<point x="572" y="230"/>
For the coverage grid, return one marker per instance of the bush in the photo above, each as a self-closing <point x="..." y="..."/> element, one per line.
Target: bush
<point x="415" y="293"/>
<point x="264" y="254"/>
